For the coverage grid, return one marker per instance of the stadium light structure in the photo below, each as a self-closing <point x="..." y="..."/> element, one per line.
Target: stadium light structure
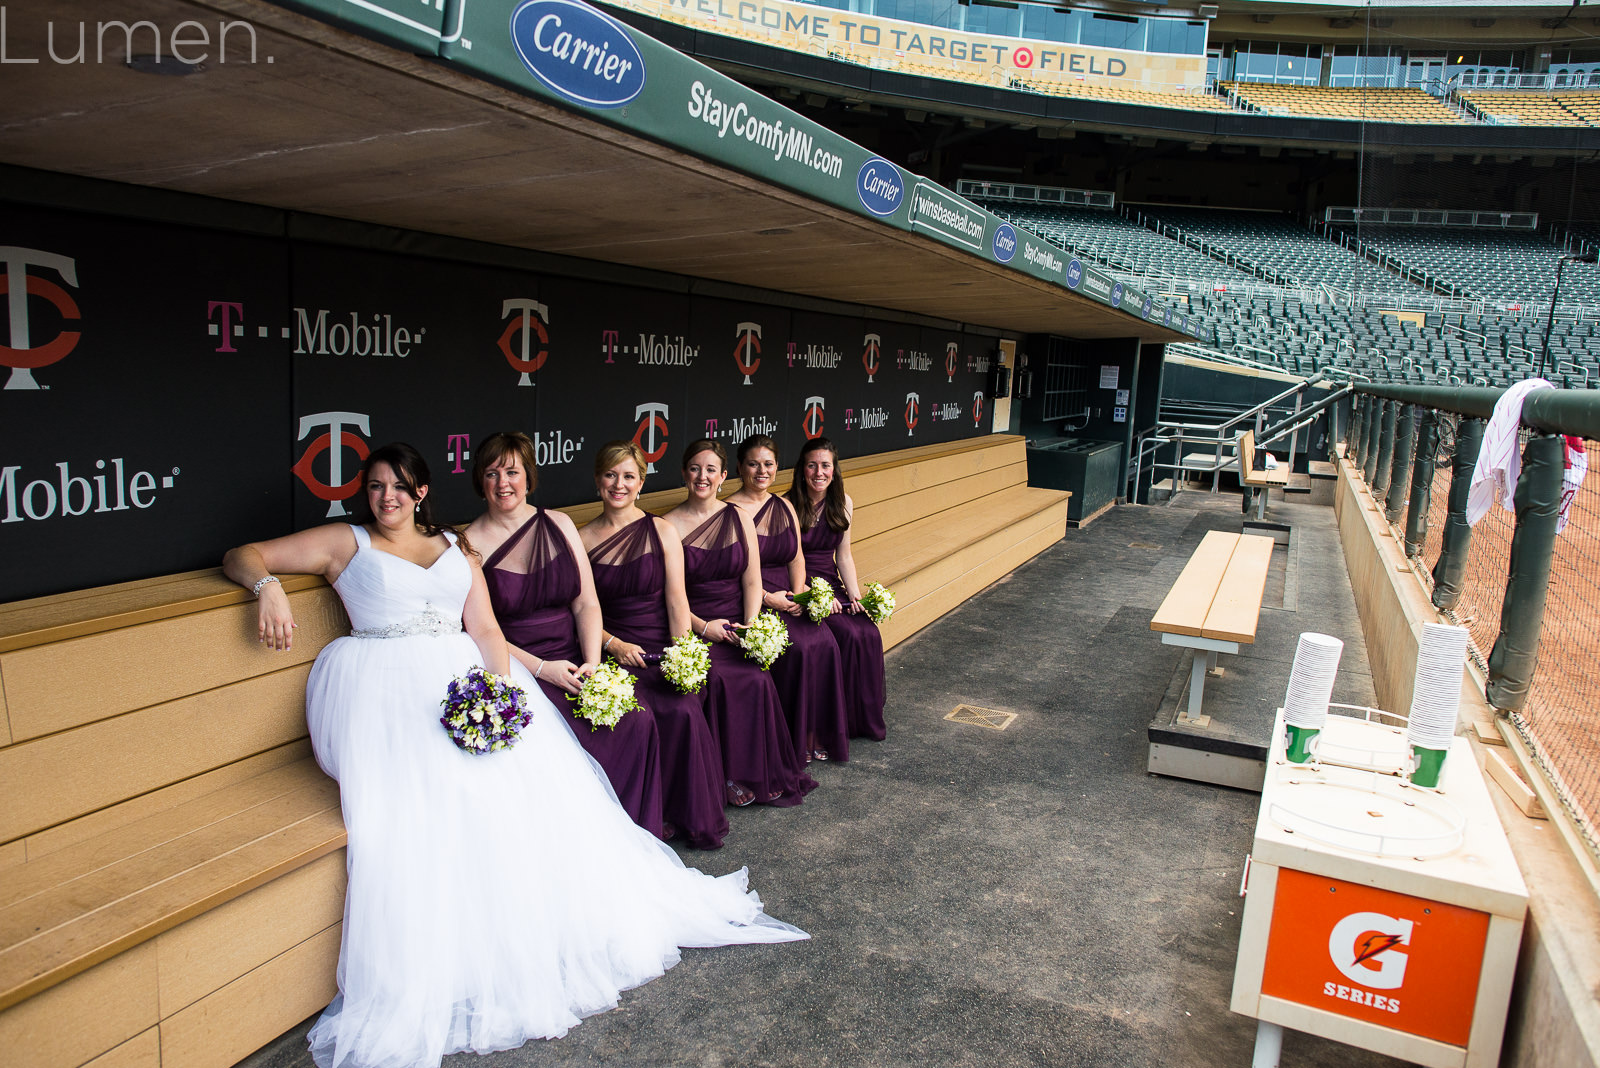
<point x="1591" y="256"/>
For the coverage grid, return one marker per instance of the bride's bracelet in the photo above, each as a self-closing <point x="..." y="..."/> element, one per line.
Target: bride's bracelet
<point x="537" y="670"/>
<point x="261" y="584"/>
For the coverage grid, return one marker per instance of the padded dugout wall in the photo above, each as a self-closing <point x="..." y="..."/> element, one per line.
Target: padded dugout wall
<point x="198" y="381"/>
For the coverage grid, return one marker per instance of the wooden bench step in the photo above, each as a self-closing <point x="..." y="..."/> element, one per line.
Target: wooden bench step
<point x="891" y="557"/>
<point x="86" y="903"/>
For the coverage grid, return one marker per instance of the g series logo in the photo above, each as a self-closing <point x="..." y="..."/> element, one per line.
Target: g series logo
<point x="578" y="53"/>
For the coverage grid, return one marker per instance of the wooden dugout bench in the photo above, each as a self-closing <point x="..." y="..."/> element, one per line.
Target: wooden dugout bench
<point x="171" y="858"/>
<point x="1214" y="606"/>
<point x="1259" y="481"/>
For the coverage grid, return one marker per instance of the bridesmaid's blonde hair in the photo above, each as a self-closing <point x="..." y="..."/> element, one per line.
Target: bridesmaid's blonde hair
<point x="612" y="453"/>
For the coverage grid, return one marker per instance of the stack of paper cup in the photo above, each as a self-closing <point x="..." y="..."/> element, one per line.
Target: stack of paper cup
<point x="1305" y="705"/>
<point x="1435" y="699"/>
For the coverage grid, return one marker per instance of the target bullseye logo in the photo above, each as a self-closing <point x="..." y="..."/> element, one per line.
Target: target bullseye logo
<point x="1022" y="57"/>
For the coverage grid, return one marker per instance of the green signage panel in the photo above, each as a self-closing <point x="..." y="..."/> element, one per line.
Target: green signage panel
<point x="416" y="25"/>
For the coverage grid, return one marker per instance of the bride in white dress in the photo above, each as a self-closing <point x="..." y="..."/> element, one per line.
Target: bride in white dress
<point x="492" y="899"/>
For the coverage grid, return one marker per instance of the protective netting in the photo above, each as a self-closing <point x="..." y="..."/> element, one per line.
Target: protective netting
<point x="1561" y="720"/>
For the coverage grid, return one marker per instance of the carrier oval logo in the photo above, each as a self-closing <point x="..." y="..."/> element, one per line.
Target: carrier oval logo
<point x="1005" y="242"/>
<point x="1116" y="295"/>
<point x="577" y="52"/>
<point x="1074" y="274"/>
<point x="879" y="186"/>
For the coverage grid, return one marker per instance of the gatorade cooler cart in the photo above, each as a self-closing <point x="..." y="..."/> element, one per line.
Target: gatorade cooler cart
<point x="1378" y="913"/>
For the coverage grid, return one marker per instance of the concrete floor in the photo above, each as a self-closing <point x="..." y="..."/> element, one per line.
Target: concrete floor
<point x="1031" y="897"/>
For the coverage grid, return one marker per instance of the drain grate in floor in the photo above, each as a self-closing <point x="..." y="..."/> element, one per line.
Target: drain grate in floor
<point x="992" y="718"/>
<point x="1143" y="545"/>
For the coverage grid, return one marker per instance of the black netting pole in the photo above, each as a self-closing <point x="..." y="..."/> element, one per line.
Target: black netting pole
<point x="1516" y="651"/>
<point x="1456" y="538"/>
<point x="1422" y="480"/>
<point x="1369" y="450"/>
<point x="1358" y="416"/>
<point x="1404" y="440"/>
<point x="1379" y="479"/>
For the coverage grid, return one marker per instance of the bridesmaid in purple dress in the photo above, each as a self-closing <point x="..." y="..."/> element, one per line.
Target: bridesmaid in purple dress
<point x="722" y="577"/>
<point x="809" y="679"/>
<point x="543" y="596"/>
<point x="638" y="576"/>
<point x="824" y="508"/>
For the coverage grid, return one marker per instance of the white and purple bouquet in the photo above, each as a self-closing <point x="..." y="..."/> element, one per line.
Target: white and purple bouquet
<point x="686" y="662"/>
<point x="605" y="696"/>
<point x="764" y="639"/>
<point x="484" y="713"/>
<point x="877" y="601"/>
<point x="816" y="599"/>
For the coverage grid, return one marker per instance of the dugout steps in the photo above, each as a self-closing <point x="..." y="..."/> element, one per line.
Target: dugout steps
<point x="171" y="858"/>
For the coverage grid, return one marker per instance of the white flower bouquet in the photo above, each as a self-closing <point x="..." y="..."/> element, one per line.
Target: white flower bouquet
<point x="605" y="696"/>
<point x="484" y="713"/>
<point x="764" y="639"/>
<point x="878" y="602"/>
<point x="686" y="662"/>
<point x="816" y="599"/>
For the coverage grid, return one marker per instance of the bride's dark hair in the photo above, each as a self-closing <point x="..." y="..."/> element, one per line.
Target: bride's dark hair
<point x="411" y="471"/>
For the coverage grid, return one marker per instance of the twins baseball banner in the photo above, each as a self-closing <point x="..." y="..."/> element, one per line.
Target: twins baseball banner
<point x="171" y="392"/>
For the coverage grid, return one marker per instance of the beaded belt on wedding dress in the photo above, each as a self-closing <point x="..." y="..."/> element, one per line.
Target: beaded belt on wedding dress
<point x="430" y="622"/>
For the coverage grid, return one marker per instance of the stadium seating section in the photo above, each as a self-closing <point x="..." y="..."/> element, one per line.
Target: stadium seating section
<point x="1338" y="312"/>
<point x="1367" y="105"/>
<point x="1537" y="109"/>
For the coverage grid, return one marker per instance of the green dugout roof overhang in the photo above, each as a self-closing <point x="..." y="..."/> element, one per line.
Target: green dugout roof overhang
<point x="426" y="116"/>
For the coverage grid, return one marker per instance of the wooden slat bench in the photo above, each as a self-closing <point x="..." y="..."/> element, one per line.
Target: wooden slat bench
<point x="1259" y="481"/>
<point x="1214" y="606"/>
<point x="171" y="858"/>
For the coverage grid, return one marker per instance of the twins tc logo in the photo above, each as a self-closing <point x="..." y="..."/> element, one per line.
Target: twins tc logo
<point x="1364" y="947"/>
<point x="950" y="359"/>
<point x="869" y="356"/>
<point x="531" y="324"/>
<point x="747" y="351"/>
<point x="977" y="407"/>
<point x="812" y="422"/>
<point x="911" y="412"/>
<point x="652" y="416"/>
<point x="22" y="356"/>
<point x="335" y="491"/>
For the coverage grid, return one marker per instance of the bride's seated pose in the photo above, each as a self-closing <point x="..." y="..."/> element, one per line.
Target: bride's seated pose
<point x="492" y="898"/>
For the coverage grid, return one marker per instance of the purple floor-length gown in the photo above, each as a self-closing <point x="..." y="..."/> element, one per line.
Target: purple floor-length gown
<point x="533" y="580"/>
<point x="808" y="676"/>
<point x="740" y="698"/>
<point x="630" y="580"/>
<point x="860" y="644"/>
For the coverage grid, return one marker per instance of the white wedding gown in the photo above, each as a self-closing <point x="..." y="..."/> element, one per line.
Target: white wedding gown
<point x="492" y="899"/>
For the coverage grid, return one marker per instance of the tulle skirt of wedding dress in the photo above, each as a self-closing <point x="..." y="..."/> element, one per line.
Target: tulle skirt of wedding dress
<point x="492" y="899"/>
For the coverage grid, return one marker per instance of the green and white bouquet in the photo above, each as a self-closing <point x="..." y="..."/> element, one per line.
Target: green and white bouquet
<point x="816" y="599"/>
<point x="764" y="639"/>
<point x="878" y="602"/>
<point x="686" y="662"/>
<point x="605" y="696"/>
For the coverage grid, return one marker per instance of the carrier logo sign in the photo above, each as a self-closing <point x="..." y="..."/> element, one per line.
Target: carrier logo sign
<point x="912" y="401"/>
<point x="1074" y="274"/>
<point x="21" y="355"/>
<point x="578" y="53"/>
<point x="1145" y="308"/>
<point x="530" y="323"/>
<point x="869" y="355"/>
<point x="879" y="186"/>
<point x="1116" y="295"/>
<point x="812" y="424"/>
<point x="747" y="352"/>
<point x="1005" y="242"/>
<point x="651" y="434"/>
<point x="336" y="490"/>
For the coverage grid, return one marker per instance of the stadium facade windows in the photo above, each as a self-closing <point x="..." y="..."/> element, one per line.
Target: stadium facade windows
<point x="1042" y="22"/>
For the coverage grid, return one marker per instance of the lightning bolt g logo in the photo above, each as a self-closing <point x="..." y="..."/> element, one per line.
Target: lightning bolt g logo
<point x="652" y="416"/>
<point x="869" y="356"/>
<point x="22" y="356"/>
<point x="531" y="325"/>
<point x="335" y="491"/>
<point x="812" y="423"/>
<point x="911" y="413"/>
<point x="747" y="350"/>
<point x="1363" y="939"/>
<point x="950" y="361"/>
